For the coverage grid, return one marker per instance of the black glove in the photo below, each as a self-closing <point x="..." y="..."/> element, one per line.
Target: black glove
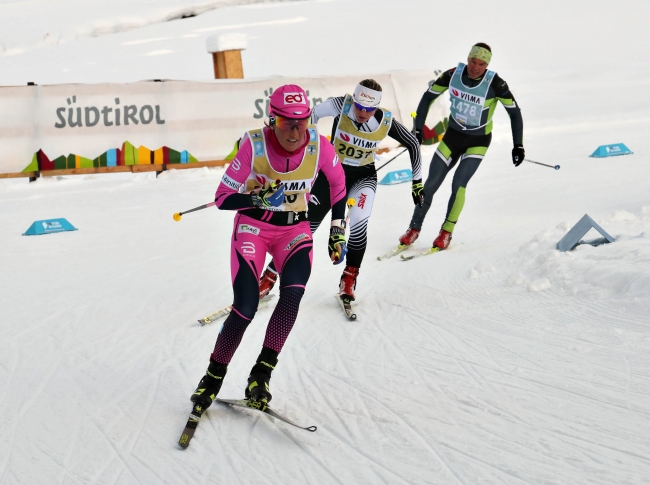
<point x="418" y="135"/>
<point x="336" y="245"/>
<point x="268" y="196"/>
<point x="518" y="155"/>
<point x="417" y="191"/>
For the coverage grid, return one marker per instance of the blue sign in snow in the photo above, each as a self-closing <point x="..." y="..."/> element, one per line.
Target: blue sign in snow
<point x="397" y="177"/>
<point x="611" y="150"/>
<point x="49" y="226"/>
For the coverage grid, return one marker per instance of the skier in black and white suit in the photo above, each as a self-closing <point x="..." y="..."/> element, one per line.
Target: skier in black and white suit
<point x="359" y="126"/>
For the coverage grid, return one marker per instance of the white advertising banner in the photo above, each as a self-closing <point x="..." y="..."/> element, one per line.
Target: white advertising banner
<point x="202" y="119"/>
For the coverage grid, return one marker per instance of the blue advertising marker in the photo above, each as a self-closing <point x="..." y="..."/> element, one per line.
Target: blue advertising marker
<point x="611" y="151"/>
<point x="397" y="177"/>
<point x="49" y="226"/>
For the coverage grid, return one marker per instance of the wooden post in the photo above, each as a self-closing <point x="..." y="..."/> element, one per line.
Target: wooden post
<point x="227" y="65"/>
<point x="226" y="55"/>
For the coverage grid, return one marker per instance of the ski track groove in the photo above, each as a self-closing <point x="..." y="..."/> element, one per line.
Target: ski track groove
<point x="627" y="384"/>
<point x="638" y="457"/>
<point x="489" y="465"/>
<point x="392" y="344"/>
<point x="459" y="361"/>
<point x="358" y="451"/>
<point x="289" y="434"/>
<point x="149" y="407"/>
<point x="10" y="381"/>
<point x="473" y="333"/>
<point x="583" y="396"/>
<point x="11" y="450"/>
<point x="500" y="369"/>
<point x="125" y="465"/>
<point x="543" y="371"/>
<point x="216" y="436"/>
<point x="40" y="389"/>
<point x="350" y="437"/>
<point x="432" y="450"/>
<point x="231" y="462"/>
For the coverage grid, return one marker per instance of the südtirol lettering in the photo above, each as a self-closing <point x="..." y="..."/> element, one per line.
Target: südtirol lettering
<point x="116" y="115"/>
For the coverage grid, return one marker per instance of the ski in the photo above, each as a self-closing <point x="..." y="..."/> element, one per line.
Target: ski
<point x="263" y="408"/>
<point x="226" y="310"/>
<point x="190" y="427"/>
<point x="393" y="252"/>
<point x="417" y="255"/>
<point x="346" y="305"/>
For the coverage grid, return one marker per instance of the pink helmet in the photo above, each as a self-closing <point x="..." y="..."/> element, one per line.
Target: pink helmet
<point x="290" y="101"/>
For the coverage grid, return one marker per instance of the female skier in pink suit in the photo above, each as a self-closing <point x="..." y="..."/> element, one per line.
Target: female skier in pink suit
<point x="274" y="220"/>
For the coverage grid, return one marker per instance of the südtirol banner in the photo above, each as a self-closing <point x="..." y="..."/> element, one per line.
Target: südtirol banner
<point x="87" y="125"/>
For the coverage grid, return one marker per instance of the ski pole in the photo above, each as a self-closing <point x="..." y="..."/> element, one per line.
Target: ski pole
<point x="556" y="167"/>
<point x="391" y="160"/>
<point x="413" y="115"/>
<point x="178" y="215"/>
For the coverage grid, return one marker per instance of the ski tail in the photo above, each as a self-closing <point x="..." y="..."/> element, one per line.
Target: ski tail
<point x="393" y="252"/>
<point x="190" y="427"/>
<point x="431" y="250"/>
<point x="225" y="311"/>
<point x="216" y="315"/>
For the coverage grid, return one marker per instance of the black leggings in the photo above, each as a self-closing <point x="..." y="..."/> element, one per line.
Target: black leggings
<point x="455" y="146"/>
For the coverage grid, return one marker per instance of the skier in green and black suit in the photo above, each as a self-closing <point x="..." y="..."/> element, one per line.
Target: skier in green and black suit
<point x="474" y="91"/>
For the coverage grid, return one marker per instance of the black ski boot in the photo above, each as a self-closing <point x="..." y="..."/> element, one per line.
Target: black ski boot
<point x="210" y="385"/>
<point x="258" y="380"/>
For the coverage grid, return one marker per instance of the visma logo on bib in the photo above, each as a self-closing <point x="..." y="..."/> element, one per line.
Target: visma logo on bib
<point x="468" y="97"/>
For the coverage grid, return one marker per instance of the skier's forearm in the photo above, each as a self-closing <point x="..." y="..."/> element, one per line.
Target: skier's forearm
<point x="516" y="120"/>
<point x="330" y="107"/>
<point x="338" y="209"/>
<point x="507" y="99"/>
<point x="423" y="108"/>
<point x="435" y="90"/>
<point x="517" y="126"/>
<point x="401" y="134"/>
<point x="233" y="202"/>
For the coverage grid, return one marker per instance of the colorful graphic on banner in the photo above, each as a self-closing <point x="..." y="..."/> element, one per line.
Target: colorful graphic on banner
<point x="431" y="136"/>
<point x="115" y="157"/>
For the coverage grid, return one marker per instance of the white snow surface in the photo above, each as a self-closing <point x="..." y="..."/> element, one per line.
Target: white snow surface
<point x="498" y="361"/>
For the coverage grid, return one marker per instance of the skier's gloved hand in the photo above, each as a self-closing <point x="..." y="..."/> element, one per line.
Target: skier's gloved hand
<point x="336" y="247"/>
<point x="271" y="196"/>
<point x="418" y="135"/>
<point x="417" y="191"/>
<point x="518" y="155"/>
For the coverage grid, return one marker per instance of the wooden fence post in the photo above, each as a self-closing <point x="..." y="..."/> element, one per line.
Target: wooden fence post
<point x="226" y="55"/>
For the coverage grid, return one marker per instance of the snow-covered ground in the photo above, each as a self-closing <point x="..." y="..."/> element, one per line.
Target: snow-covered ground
<point x="499" y="361"/>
